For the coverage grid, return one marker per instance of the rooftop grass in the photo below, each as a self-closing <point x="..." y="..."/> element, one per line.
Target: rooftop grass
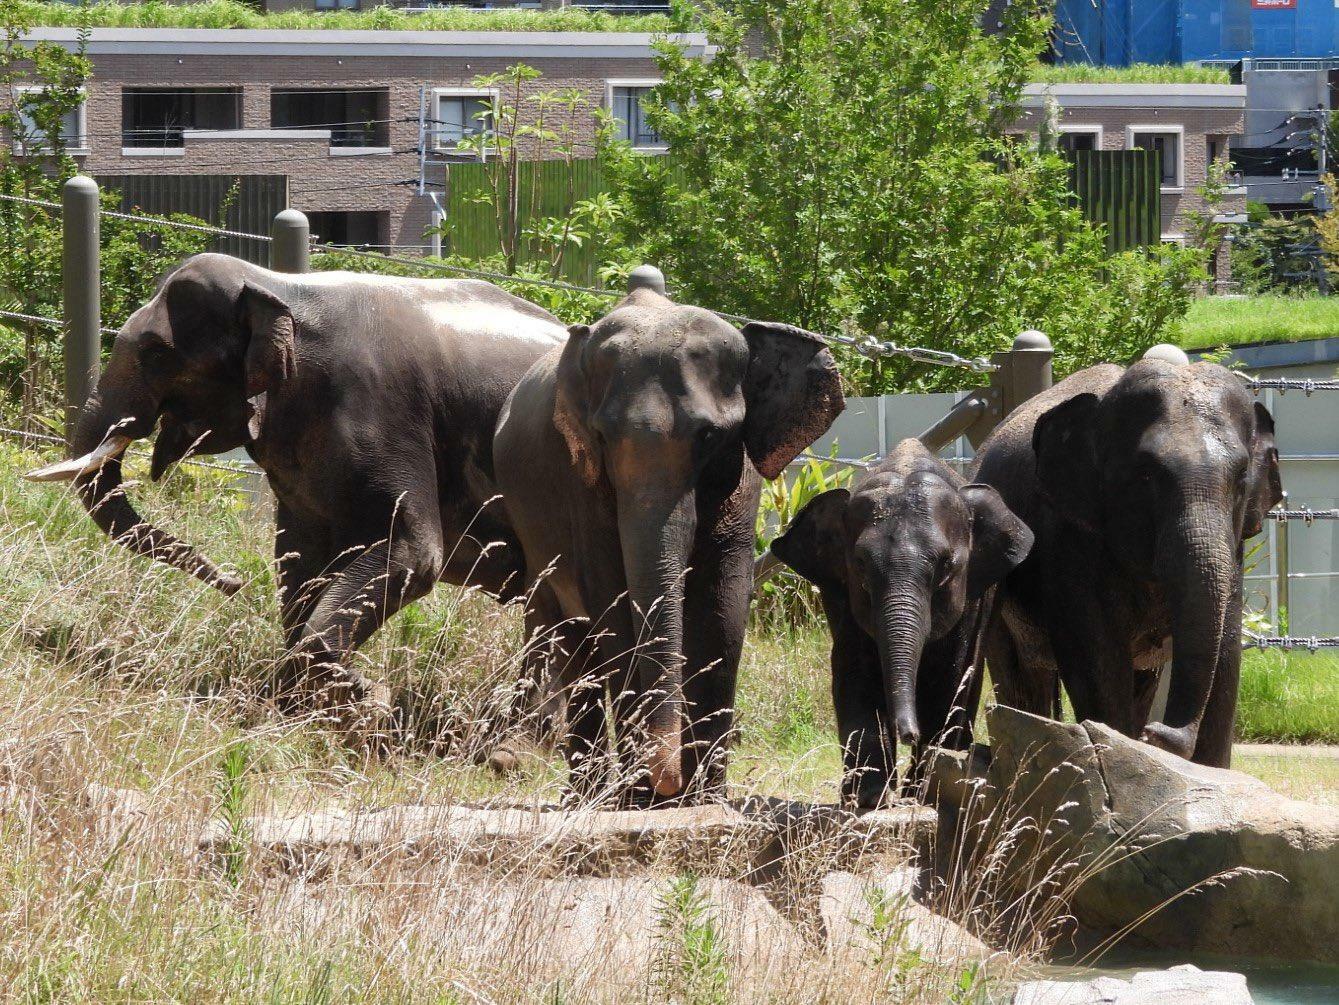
<point x="231" y="14"/>
<point x="1139" y="73"/>
<point x="1225" y="321"/>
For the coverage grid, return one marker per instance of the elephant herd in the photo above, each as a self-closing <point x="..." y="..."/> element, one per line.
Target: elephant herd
<point x="608" y="476"/>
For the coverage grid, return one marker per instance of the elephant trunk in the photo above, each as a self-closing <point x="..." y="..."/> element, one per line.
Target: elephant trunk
<point x="903" y="626"/>
<point x="120" y="411"/>
<point x="1196" y="565"/>
<point x="657" y="538"/>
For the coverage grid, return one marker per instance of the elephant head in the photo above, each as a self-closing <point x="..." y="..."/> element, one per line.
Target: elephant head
<point x="907" y="548"/>
<point x="1173" y="468"/>
<point x="659" y="403"/>
<point x="198" y="362"/>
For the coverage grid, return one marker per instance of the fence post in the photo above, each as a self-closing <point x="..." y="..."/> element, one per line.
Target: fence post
<point x="290" y="245"/>
<point x="1021" y="372"/>
<point x="82" y="289"/>
<point x="1283" y="603"/>
<point x="647" y="277"/>
<point x="1170" y="353"/>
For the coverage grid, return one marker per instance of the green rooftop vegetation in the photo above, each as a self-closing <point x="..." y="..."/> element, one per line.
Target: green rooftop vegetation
<point x="1228" y="321"/>
<point x="231" y="14"/>
<point x="1139" y="73"/>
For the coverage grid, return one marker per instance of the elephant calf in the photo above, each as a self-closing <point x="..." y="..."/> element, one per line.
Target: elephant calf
<point x="1141" y="486"/>
<point x="905" y="562"/>
<point x="629" y="462"/>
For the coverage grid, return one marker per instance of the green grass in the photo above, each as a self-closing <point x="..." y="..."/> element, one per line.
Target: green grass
<point x="1139" y="73"/>
<point x="230" y="14"/>
<point x="1288" y="697"/>
<point x="1223" y="321"/>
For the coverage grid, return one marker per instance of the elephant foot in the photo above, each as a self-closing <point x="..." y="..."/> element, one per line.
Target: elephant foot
<point x="1180" y="742"/>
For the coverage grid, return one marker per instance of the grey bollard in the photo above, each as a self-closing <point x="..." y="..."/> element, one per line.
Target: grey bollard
<point x="647" y="277"/>
<point x="1032" y="355"/>
<point x="83" y="302"/>
<point x="290" y="245"/>
<point x="1170" y="353"/>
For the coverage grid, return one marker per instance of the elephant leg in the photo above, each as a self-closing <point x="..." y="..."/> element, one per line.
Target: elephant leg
<point x="1217" y="729"/>
<point x="716" y="611"/>
<point x="378" y="582"/>
<point x="869" y="750"/>
<point x="1022" y="677"/>
<point x="302" y="558"/>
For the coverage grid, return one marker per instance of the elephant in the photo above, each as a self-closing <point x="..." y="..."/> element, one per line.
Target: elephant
<point x="905" y="561"/>
<point x="1141" y="486"/>
<point x="630" y="462"/>
<point x="369" y="402"/>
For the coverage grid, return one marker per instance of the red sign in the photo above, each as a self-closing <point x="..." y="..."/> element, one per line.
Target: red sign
<point x="1274" y="4"/>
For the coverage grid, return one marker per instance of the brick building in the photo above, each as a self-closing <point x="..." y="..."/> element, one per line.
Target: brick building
<point x="341" y="114"/>
<point x="1188" y="123"/>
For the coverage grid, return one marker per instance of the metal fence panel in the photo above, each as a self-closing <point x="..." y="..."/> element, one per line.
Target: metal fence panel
<point x="255" y="199"/>
<point x="1121" y="191"/>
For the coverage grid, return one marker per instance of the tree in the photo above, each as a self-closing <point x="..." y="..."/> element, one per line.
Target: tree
<point x="860" y="177"/>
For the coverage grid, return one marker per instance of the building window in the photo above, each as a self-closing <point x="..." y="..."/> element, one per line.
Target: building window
<point x="336" y="4"/>
<point x="353" y="229"/>
<point x="628" y="101"/>
<point x="73" y="130"/>
<point x="1075" y="138"/>
<point x="459" y="113"/>
<point x="1167" y="144"/>
<point x="157" y="116"/>
<point x="356" y="117"/>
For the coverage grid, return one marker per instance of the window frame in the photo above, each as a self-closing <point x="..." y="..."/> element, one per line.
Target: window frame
<point x="81" y="149"/>
<point x="614" y="83"/>
<point x="1096" y="132"/>
<point x="1167" y="130"/>
<point x="492" y="94"/>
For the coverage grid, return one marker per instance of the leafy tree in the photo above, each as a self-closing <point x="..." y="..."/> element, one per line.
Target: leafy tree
<point x="860" y="177"/>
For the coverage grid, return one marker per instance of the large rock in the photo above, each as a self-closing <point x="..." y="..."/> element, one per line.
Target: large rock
<point x="751" y="841"/>
<point x="853" y="937"/>
<point x="1216" y="860"/>
<point x="1185" y="985"/>
<point x="599" y="939"/>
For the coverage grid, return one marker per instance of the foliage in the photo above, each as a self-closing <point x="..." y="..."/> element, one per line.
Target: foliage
<point x="859" y="177"/>
<point x="1289" y="697"/>
<point x="231" y="14"/>
<point x="570" y="305"/>
<point x="1275" y="254"/>
<point x="692" y="967"/>
<point x="1137" y="73"/>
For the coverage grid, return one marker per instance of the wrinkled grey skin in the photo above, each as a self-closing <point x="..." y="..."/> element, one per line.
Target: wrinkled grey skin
<point x="1141" y="486"/>
<point x="906" y="562"/>
<point x="629" y="462"/>
<point x="370" y="403"/>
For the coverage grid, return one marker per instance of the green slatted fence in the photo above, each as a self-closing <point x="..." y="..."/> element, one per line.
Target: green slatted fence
<point x="1120" y="190"/>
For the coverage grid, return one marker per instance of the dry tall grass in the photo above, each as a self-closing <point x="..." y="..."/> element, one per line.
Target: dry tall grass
<point x="128" y="721"/>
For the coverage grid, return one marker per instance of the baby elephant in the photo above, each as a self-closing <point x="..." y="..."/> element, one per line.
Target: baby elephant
<point x="904" y="561"/>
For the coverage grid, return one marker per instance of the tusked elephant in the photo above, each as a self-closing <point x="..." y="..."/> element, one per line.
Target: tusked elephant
<point x="1141" y="486"/>
<point x="905" y="562"/>
<point x="630" y="464"/>
<point x="370" y="403"/>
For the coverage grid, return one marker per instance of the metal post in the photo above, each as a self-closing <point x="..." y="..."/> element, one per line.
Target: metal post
<point x="83" y="302"/>
<point x="290" y="247"/>
<point x="647" y="277"/>
<point x="1022" y="372"/>
<point x="1169" y="353"/>
<point x="1283" y="605"/>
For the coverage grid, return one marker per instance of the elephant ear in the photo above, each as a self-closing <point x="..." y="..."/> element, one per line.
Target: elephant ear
<point x="571" y="405"/>
<point x="792" y="392"/>
<point x="270" y="351"/>
<point x="1264" y="486"/>
<point x="1066" y="449"/>
<point x="813" y="544"/>
<point x="1000" y="540"/>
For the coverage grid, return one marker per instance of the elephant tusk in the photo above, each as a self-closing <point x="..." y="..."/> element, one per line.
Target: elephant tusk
<point x="64" y="471"/>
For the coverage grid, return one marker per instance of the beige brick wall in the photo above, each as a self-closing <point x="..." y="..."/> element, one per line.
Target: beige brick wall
<point x="319" y="181"/>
